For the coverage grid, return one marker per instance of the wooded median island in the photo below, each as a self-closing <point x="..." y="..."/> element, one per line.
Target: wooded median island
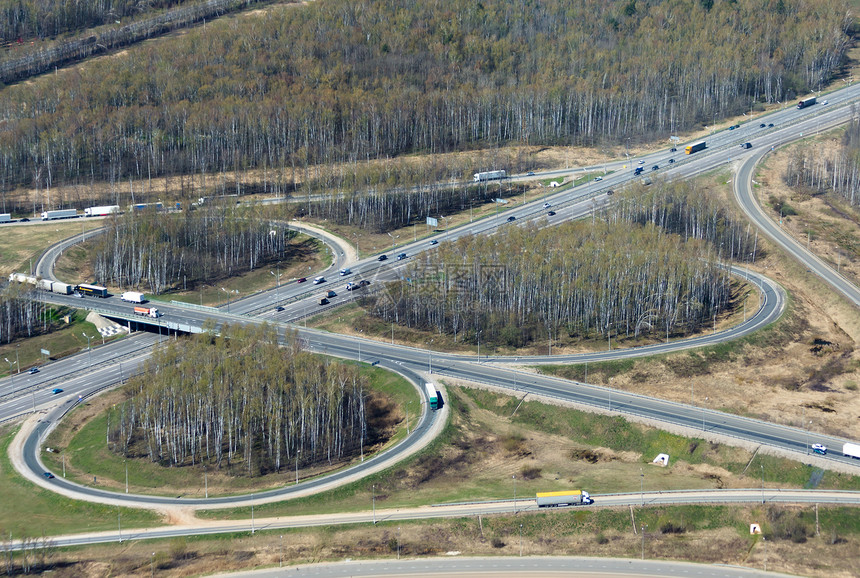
<point x="343" y="82"/>
<point x="651" y="263"/>
<point x="240" y="398"/>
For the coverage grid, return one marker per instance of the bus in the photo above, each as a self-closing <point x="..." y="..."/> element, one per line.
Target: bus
<point x="432" y="395"/>
<point x="806" y="102"/>
<point x="93" y="290"/>
<point x="489" y="176"/>
<point x="695" y="147"/>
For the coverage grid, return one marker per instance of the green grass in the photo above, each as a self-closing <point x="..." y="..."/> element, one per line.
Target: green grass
<point x="452" y="480"/>
<point x="26" y="509"/>
<point x="90" y="456"/>
<point x="66" y="340"/>
<point x="20" y="246"/>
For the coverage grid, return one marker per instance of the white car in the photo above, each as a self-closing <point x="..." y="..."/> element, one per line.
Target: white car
<point x="546" y="205"/>
<point x="824" y="102"/>
<point x="819" y="449"/>
<point x="598" y="178"/>
<point x="319" y="280"/>
<point x="641" y="162"/>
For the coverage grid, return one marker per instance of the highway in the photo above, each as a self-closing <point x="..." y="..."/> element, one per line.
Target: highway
<point x="487" y="370"/>
<point x="523" y="505"/>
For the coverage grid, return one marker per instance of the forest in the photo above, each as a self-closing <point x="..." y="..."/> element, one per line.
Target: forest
<point x="157" y="252"/>
<point x="239" y="398"/>
<point x="343" y="81"/>
<point x="22" y="313"/>
<point x="583" y="279"/>
<point x="650" y="263"/>
<point x="814" y="171"/>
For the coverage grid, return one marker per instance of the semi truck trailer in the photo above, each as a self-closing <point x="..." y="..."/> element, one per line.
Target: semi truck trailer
<point x="695" y="147"/>
<point x="133" y="297"/>
<point x="101" y="211"/>
<point x="564" y="498"/>
<point x="851" y="451"/>
<point x="93" y="290"/>
<point x="59" y="214"/>
<point x="806" y="102"/>
<point x="147" y="311"/>
<point x="432" y="395"/>
<point x="5" y="218"/>
<point x="489" y="176"/>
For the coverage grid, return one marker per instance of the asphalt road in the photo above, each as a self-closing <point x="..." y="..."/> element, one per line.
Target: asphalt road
<point x="523" y="567"/>
<point x="386" y="518"/>
<point x="409" y="359"/>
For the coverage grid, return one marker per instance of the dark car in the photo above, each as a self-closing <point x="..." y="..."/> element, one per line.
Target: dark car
<point x="732" y="127"/>
<point x="762" y="125"/>
<point x="302" y="279"/>
<point x="746" y="145"/>
<point x="770" y="125"/>
<point x="279" y="308"/>
<point x="33" y="370"/>
<point x="551" y="214"/>
<point x="511" y="218"/>
<point x="401" y="256"/>
<point x="24" y="220"/>
<point x="49" y="475"/>
<point x="363" y="283"/>
<point x="610" y="192"/>
<point x="671" y="161"/>
<point x="655" y="167"/>
<point x="673" y="150"/>
<point x="434" y="242"/>
<point x="56" y="390"/>
<point x="382" y="258"/>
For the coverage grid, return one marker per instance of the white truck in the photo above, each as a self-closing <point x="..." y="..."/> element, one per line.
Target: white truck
<point x="489" y="176"/>
<point x="5" y="218"/>
<point x="59" y="214"/>
<point x="851" y="451"/>
<point x="133" y="297"/>
<point x="101" y="211"/>
<point x="564" y="498"/>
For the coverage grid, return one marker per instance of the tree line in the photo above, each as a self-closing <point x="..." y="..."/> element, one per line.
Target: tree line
<point x="685" y="209"/>
<point x="158" y="252"/>
<point x="585" y="279"/>
<point x="815" y="171"/>
<point x="342" y="81"/>
<point x="22" y="313"/>
<point x="380" y="211"/>
<point x="241" y="399"/>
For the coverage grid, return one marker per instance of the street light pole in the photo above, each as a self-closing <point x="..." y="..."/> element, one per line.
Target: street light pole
<point x="642" y="486"/>
<point x="88" y="348"/>
<point x="373" y="500"/>
<point x="515" y="493"/>
<point x="642" y="531"/>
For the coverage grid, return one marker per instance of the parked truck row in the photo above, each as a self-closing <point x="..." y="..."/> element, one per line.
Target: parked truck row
<point x="45" y="284"/>
<point x="100" y="211"/>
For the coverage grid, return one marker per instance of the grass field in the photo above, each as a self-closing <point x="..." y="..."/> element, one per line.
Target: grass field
<point x="547" y="448"/>
<point x="21" y="245"/>
<point x="28" y="510"/>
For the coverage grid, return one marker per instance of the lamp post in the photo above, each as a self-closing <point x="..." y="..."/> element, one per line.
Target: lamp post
<point x="642" y="531"/>
<point x="152" y="565"/>
<point x="278" y="286"/>
<point x="762" y="482"/>
<point x="398" y="542"/>
<point x="373" y="501"/>
<point x="642" y="486"/>
<point x="703" y="413"/>
<point x="521" y="540"/>
<point x="10" y="366"/>
<point x="515" y="493"/>
<point x="297" y="466"/>
<point x="126" y="475"/>
<point x="88" y="347"/>
<point x="17" y="365"/>
<point x="281" y="562"/>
